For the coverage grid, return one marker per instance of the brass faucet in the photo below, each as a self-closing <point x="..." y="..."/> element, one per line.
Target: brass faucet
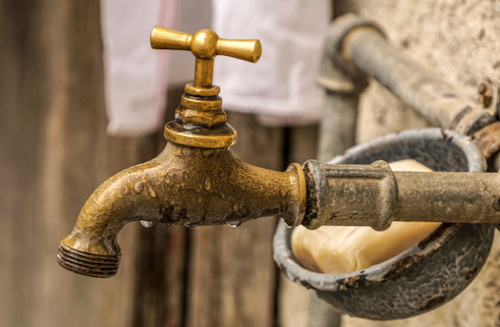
<point x="198" y="181"/>
<point x="195" y="181"/>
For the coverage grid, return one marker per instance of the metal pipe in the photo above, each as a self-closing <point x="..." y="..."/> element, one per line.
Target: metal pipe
<point x="373" y="195"/>
<point x="448" y="197"/>
<point x="343" y="88"/>
<point x="338" y="125"/>
<point x="365" y="47"/>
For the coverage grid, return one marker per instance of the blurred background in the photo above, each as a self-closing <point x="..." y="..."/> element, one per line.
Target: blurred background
<point x="54" y="151"/>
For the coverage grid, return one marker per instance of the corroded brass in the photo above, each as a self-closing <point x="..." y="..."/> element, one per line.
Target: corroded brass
<point x="195" y="181"/>
<point x="201" y="108"/>
<point x="182" y="185"/>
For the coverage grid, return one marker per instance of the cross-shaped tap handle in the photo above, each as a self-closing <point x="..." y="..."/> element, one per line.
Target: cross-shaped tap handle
<point x="205" y="45"/>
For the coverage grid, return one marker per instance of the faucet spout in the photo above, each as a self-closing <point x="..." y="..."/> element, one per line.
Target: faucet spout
<point x="195" y="181"/>
<point x="182" y="185"/>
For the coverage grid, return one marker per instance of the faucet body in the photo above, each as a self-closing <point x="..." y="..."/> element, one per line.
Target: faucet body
<point x="182" y="185"/>
<point x="195" y="181"/>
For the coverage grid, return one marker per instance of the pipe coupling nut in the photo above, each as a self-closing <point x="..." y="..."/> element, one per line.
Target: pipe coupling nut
<point x="350" y="195"/>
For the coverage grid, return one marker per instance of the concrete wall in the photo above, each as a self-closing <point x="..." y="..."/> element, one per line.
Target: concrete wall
<point x="461" y="41"/>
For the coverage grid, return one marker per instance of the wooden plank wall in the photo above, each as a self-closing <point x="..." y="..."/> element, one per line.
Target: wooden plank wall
<point x="54" y="152"/>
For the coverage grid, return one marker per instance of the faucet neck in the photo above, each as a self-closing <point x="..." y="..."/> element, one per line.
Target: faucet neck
<point x="200" y="121"/>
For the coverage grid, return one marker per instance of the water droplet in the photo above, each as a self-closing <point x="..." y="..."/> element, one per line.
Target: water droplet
<point x="138" y="187"/>
<point x="207" y="184"/>
<point x="207" y="152"/>
<point x="152" y="191"/>
<point x="284" y="193"/>
<point x="234" y="224"/>
<point x="147" y="223"/>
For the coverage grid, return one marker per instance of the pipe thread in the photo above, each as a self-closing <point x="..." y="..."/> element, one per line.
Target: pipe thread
<point x="88" y="264"/>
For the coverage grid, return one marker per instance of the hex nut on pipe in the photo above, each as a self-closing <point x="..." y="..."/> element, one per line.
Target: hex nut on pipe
<point x="332" y="195"/>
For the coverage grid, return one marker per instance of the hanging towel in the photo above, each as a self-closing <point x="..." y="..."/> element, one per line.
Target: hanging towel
<point x="281" y="88"/>
<point x="135" y="75"/>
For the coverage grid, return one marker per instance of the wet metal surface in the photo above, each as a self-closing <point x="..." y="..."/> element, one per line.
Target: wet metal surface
<point x="195" y="181"/>
<point x="185" y="186"/>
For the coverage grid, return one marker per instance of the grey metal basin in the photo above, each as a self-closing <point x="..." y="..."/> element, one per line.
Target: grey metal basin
<point x="425" y="276"/>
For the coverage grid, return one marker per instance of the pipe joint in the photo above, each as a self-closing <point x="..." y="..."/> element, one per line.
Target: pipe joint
<point x="350" y="195"/>
<point x="337" y="74"/>
<point x="360" y="48"/>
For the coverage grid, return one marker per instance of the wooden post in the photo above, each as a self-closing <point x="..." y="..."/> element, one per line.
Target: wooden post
<point x="54" y="153"/>
<point x="231" y="273"/>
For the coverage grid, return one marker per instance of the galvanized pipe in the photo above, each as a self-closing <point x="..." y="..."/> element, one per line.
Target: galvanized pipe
<point x="373" y="195"/>
<point x="343" y="88"/>
<point x="448" y="197"/>
<point x="338" y="125"/>
<point x="442" y="104"/>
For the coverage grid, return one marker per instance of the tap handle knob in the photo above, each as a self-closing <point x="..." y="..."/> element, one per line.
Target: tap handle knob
<point x="205" y="45"/>
<point x="165" y="38"/>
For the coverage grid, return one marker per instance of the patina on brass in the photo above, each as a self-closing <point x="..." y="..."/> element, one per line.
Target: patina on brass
<point x="201" y="107"/>
<point x="195" y="181"/>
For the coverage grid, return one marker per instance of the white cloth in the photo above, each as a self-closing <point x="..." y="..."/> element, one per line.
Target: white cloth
<point x="281" y="87"/>
<point x="135" y="74"/>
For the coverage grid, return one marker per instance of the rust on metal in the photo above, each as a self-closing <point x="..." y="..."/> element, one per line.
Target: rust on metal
<point x="433" y="302"/>
<point x="487" y="139"/>
<point x="434" y="235"/>
<point x="485" y="91"/>
<point x="404" y="263"/>
<point x="471" y="273"/>
<point x="355" y="281"/>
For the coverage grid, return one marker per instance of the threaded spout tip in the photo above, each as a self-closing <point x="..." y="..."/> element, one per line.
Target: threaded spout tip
<point x="88" y="264"/>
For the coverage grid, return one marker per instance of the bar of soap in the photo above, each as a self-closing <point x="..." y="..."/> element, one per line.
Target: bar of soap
<point x="338" y="249"/>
